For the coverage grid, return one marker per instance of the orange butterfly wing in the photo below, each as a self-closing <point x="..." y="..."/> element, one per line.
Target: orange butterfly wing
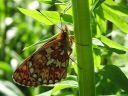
<point x="48" y="64"/>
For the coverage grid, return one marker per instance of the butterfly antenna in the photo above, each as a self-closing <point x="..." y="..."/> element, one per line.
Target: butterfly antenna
<point x="48" y="18"/>
<point x="61" y="20"/>
<point x="67" y="7"/>
<point x="72" y="60"/>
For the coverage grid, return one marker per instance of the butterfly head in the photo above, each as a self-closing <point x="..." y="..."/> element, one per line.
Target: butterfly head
<point x="65" y="29"/>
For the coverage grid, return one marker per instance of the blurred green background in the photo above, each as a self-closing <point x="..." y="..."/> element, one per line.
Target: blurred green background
<point x="18" y="31"/>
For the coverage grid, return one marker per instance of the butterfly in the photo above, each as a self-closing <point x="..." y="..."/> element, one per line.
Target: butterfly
<point x="48" y="64"/>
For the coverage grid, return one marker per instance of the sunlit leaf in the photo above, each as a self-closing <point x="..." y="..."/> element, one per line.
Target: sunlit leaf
<point x="47" y="17"/>
<point x="97" y="3"/>
<point x="47" y="1"/>
<point x="117" y="15"/>
<point x="5" y="66"/>
<point x="65" y="84"/>
<point x="9" y="89"/>
<point x="97" y="58"/>
<point x="52" y="1"/>
<point x="113" y="44"/>
<point x="75" y="67"/>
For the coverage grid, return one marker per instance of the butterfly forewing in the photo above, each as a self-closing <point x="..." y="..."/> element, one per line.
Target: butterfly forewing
<point x="48" y="64"/>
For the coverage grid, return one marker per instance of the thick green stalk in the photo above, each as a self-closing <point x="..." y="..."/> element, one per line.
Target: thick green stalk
<point x="83" y="42"/>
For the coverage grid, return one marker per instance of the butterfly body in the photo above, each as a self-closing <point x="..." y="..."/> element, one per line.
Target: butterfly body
<point x="48" y="64"/>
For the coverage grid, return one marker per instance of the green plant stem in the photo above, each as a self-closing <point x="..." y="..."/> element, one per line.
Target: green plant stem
<point x="83" y="42"/>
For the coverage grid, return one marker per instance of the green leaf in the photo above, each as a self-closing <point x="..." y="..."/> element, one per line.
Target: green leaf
<point x="65" y="84"/>
<point x="60" y="86"/>
<point x="48" y="93"/>
<point x="67" y="18"/>
<point x="52" y="1"/>
<point x="45" y="17"/>
<point x="101" y="23"/>
<point x="71" y="77"/>
<point x="9" y="89"/>
<point x="117" y="15"/>
<point x="112" y="44"/>
<point x="5" y="66"/>
<point x="97" y="3"/>
<point x="75" y="68"/>
<point x="97" y="58"/>
<point x="66" y="9"/>
<point x="47" y="1"/>
<point x="116" y="76"/>
<point x="39" y="42"/>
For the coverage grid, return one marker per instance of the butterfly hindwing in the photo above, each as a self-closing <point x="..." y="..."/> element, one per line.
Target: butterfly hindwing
<point x="47" y="65"/>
